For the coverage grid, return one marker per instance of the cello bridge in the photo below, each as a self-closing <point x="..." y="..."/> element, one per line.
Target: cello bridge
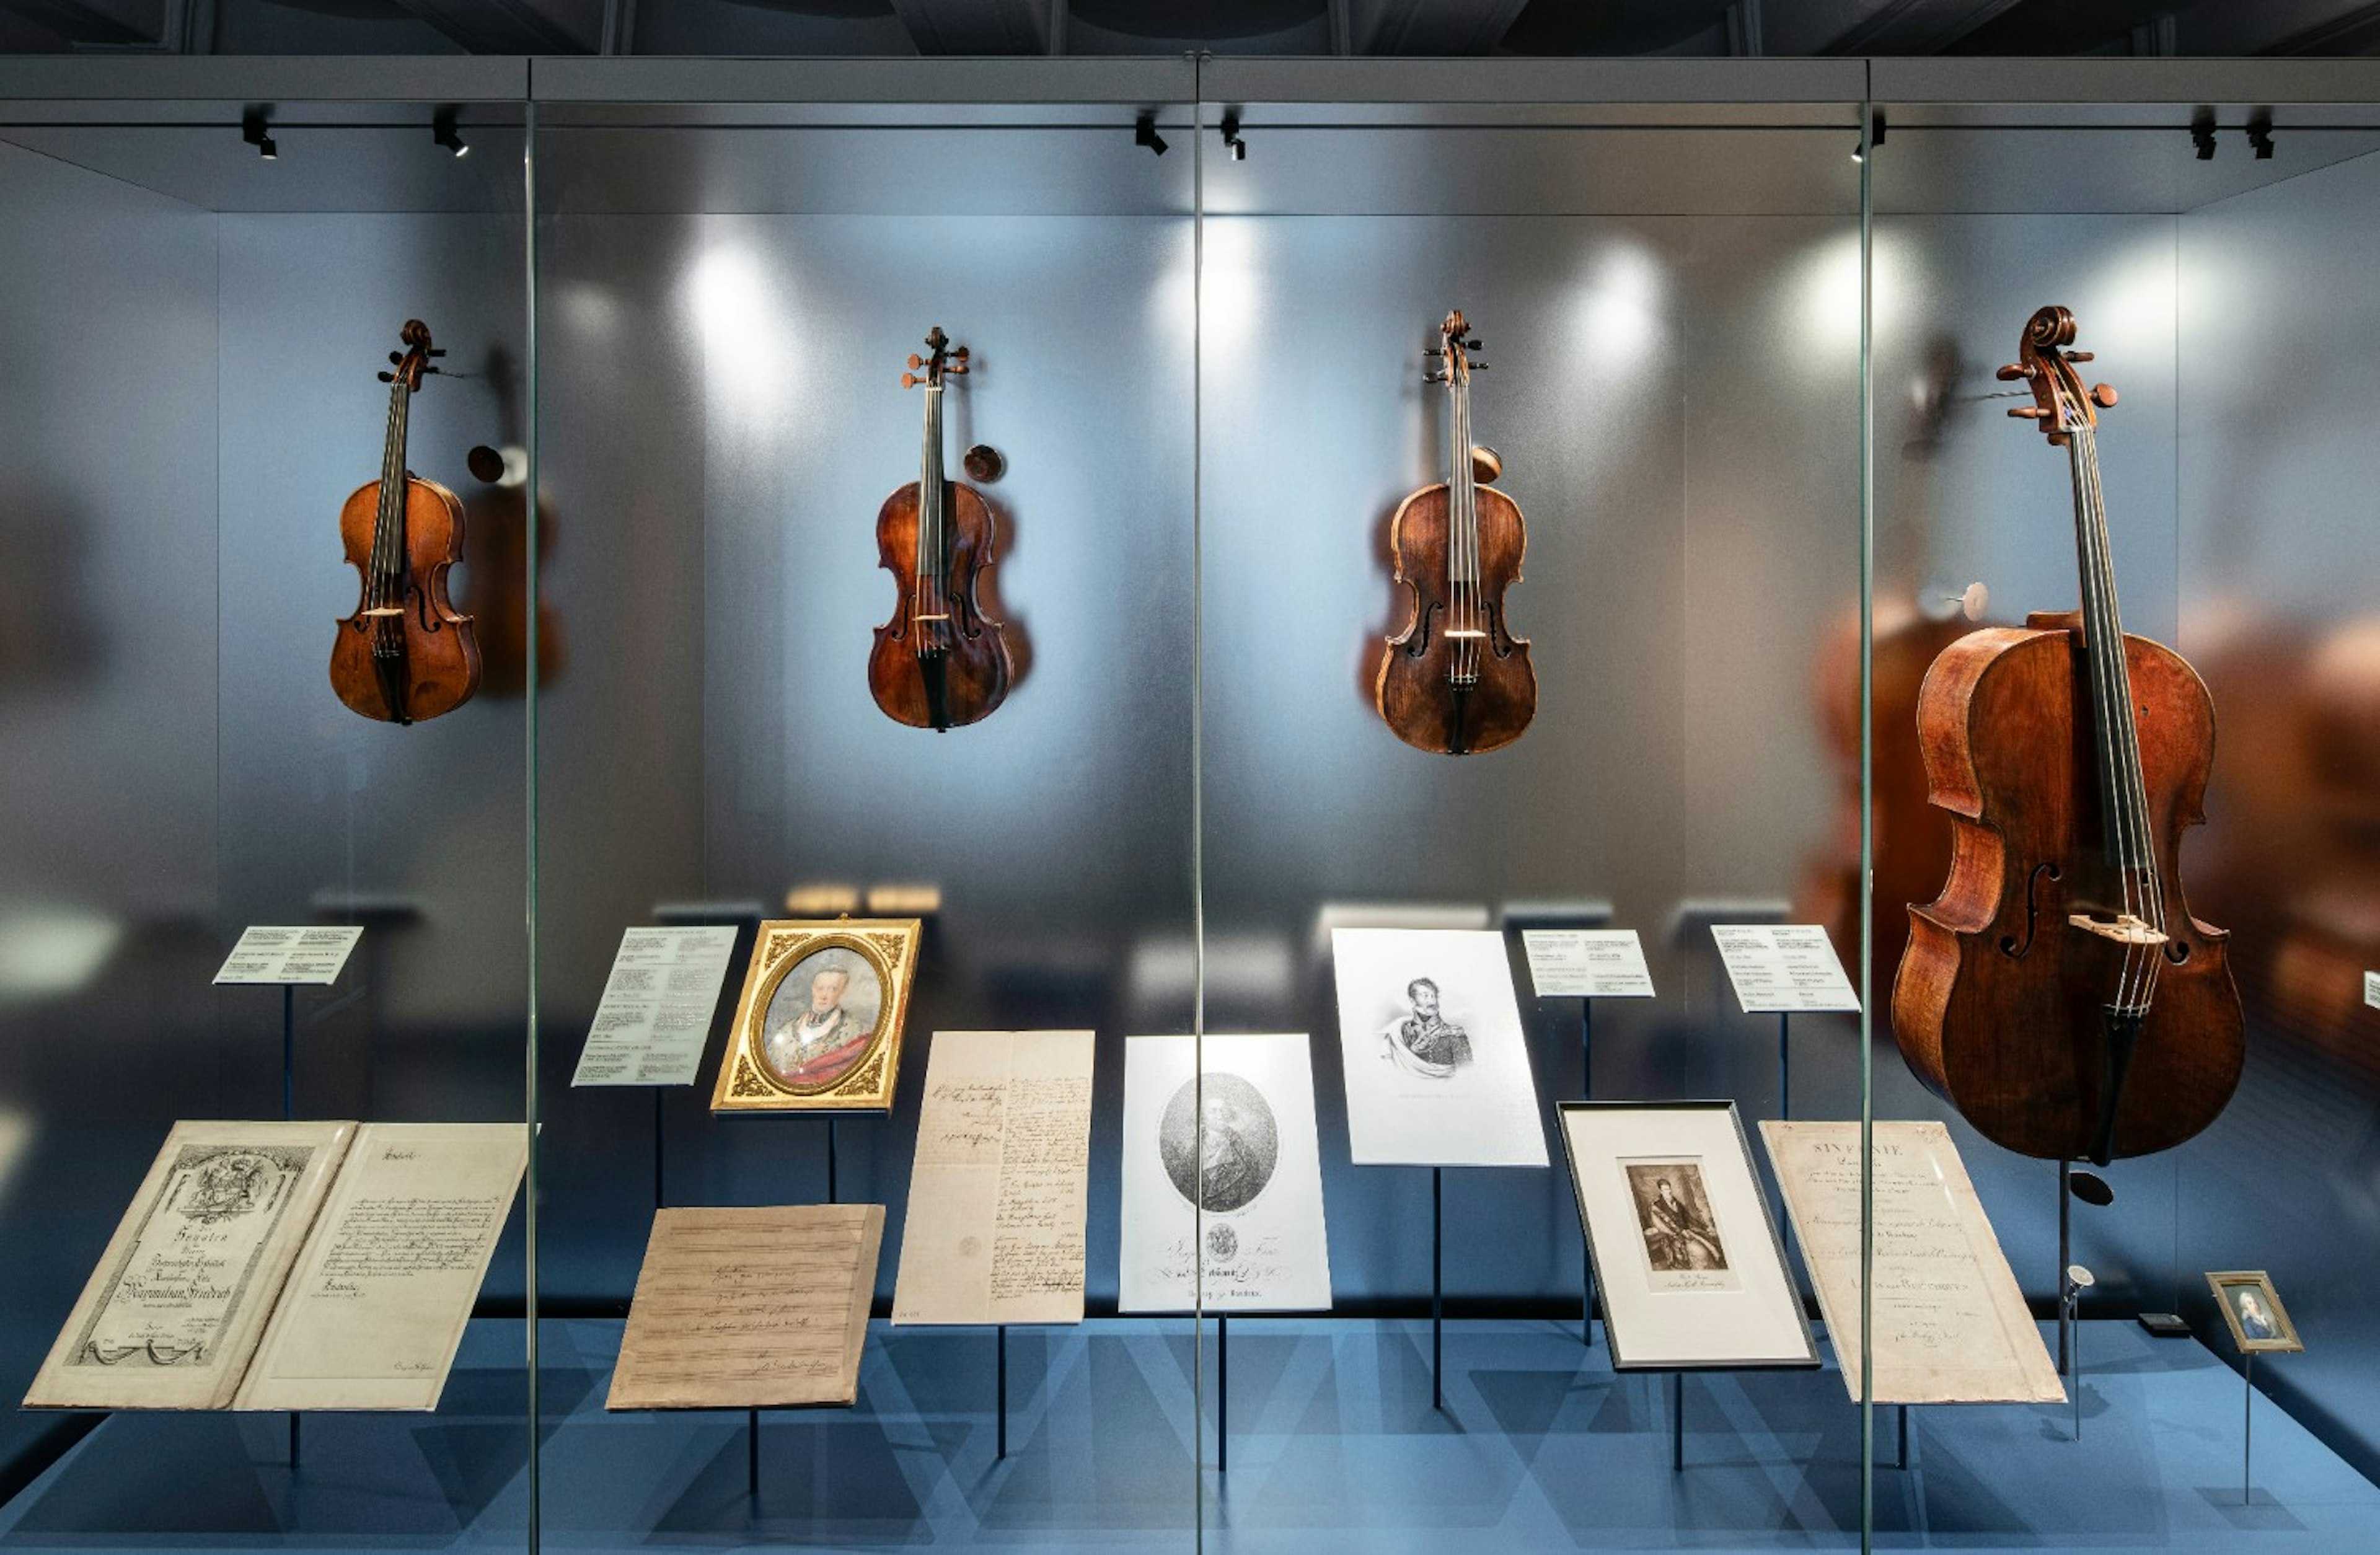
<point x="2124" y="929"/>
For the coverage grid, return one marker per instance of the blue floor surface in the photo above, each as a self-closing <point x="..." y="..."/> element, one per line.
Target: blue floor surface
<point x="1334" y="1448"/>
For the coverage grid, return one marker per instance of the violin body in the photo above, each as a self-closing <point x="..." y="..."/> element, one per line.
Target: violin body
<point x="1432" y="701"/>
<point x="938" y="674"/>
<point x="1998" y="1005"/>
<point x="436" y="668"/>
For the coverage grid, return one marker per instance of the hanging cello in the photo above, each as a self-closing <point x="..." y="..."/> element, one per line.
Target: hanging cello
<point x="1455" y="680"/>
<point x="941" y="662"/>
<point x="2058" y="993"/>
<point x="404" y="655"/>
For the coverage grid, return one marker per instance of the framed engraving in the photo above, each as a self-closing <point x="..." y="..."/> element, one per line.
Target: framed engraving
<point x="2253" y="1311"/>
<point x="818" y="1027"/>
<point x="1689" y="1264"/>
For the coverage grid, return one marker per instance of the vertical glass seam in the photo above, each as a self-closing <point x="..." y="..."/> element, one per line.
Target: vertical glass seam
<point x="1197" y="779"/>
<point x="1867" y="815"/>
<point x="534" y="1531"/>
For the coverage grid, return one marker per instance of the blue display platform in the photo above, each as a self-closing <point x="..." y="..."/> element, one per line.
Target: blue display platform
<point x="1334" y="1448"/>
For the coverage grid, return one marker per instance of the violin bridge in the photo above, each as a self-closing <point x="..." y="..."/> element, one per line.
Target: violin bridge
<point x="1463" y="632"/>
<point x="942" y="617"/>
<point x="2124" y="929"/>
<point x="383" y="610"/>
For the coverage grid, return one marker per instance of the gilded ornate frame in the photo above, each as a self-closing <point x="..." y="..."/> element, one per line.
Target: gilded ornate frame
<point x="747" y="1083"/>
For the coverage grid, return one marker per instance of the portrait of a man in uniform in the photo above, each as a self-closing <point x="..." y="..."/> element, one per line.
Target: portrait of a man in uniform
<point x="821" y="1018"/>
<point x="1423" y="1041"/>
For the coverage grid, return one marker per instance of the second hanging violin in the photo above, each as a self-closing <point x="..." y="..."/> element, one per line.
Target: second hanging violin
<point x="941" y="662"/>
<point x="1456" y="680"/>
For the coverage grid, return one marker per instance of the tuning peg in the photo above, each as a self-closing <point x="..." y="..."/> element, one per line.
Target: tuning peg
<point x="1478" y="367"/>
<point x="1427" y="351"/>
<point x="961" y="353"/>
<point x="438" y="352"/>
<point x="909" y="380"/>
<point x="1471" y="346"/>
<point x="2104" y="395"/>
<point x="388" y="377"/>
<point x="394" y="357"/>
<point x="2082" y="356"/>
<point x="954" y="369"/>
<point x="916" y="361"/>
<point x="2012" y="374"/>
<point x="1427" y="377"/>
<point x="2026" y="413"/>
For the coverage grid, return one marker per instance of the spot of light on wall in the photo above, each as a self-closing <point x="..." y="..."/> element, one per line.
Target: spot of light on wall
<point x="1825" y="295"/>
<point x="1229" y="283"/>
<point x="739" y="311"/>
<point x="51" y="953"/>
<point x="1621" y="307"/>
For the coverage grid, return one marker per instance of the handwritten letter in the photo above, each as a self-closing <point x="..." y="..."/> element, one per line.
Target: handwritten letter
<point x="995" y="1233"/>
<point x="1951" y="1325"/>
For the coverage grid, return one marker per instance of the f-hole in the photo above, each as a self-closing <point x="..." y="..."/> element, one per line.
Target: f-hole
<point x="2009" y="944"/>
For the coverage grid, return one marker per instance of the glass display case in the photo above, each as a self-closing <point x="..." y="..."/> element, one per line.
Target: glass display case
<point x="1400" y="675"/>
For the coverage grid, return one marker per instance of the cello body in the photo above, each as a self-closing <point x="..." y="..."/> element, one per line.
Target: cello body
<point x="973" y="666"/>
<point x="1416" y="688"/>
<point x="1998" y="1005"/>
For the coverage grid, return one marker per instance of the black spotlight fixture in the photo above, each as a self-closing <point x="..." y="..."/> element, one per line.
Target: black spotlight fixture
<point x="442" y="133"/>
<point x="2260" y="135"/>
<point x="252" y="129"/>
<point x="1239" y="148"/>
<point x="2202" y="133"/>
<point x="1143" y="133"/>
<point x="1875" y="136"/>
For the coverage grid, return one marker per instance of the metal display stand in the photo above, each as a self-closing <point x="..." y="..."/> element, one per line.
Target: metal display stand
<point x="752" y="1415"/>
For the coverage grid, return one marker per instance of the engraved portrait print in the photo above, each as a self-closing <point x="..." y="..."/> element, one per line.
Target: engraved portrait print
<point x="1682" y="1244"/>
<point x="1220" y="1153"/>
<point x="822" y="1019"/>
<point x="1421" y="1039"/>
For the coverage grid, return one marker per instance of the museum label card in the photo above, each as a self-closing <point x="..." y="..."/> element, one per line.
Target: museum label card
<point x="1783" y="968"/>
<point x="1587" y="963"/>
<point x="1436" y="1060"/>
<point x="752" y="1308"/>
<point x="1227" y="1215"/>
<point x="998" y="1196"/>
<point x="374" y="1310"/>
<point x="1949" y="1324"/>
<point x="654" y="1019"/>
<point x="267" y="953"/>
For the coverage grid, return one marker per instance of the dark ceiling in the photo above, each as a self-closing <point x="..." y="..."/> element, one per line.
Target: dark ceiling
<point x="2211" y="27"/>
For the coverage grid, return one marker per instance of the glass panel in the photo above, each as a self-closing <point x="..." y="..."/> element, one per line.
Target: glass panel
<point x="195" y="332"/>
<point x="728" y="293"/>
<point x="1668" y="296"/>
<point x="2221" y="300"/>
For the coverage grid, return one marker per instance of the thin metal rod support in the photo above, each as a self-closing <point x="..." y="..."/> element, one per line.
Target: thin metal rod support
<point x="1437" y="1288"/>
<point x="1586" y="1251"/>
<point x="1222" y="1392"/>
<point x="752" y="1454"/>
<point x="1003" y="1331"/>
<point x="1677" y="1422"/>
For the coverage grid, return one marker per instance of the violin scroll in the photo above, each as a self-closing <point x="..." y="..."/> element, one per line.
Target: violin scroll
<point x="2060" y="403"/>
<point x="946" y="360"/>
<point x="413" y="362"/>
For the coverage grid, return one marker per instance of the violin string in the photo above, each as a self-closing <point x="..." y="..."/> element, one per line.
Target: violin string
<point x="2080" y="452"/>
<point x="2136" y="778"/>
<point x="2144" y="896"/>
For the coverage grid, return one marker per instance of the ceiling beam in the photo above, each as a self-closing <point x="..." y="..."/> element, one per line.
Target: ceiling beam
<point x="1450" y="27"/>
<point x="976" y="27"/>
<point x="496" y="27"/>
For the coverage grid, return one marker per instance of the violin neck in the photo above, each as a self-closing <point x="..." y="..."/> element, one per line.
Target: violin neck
<point x="388" y="521"/>
<point x="2123" y="797"/>
<point x="931" y="490"/>
<point x="1462" y="489"/>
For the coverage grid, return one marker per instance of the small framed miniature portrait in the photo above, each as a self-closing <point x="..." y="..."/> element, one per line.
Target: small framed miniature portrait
<point x="818" y="1027"/>
<point x="2254" y="1310"/>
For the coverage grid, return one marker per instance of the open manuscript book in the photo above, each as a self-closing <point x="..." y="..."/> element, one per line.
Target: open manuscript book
<point x="290" y="1266"/>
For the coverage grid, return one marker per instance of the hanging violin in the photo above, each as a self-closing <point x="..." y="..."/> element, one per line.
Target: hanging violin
<point x="405" y="654"/>
<point x="941" y="662"/>
<point x="1455" y="680"/>
<point x="2058" y="993"/>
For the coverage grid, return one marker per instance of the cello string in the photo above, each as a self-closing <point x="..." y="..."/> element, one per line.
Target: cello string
<point x="2136" y="777"/>
<point x="2080" y="451"/>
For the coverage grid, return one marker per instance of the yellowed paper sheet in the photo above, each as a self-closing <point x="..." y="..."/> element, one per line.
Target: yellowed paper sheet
<point x="1951" y="1325"/>
<point x="372" y="1314"/>
<point x="172" y="1314"/>
<point x="997" y="1200"/>
<point x="750" y="1308"/>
